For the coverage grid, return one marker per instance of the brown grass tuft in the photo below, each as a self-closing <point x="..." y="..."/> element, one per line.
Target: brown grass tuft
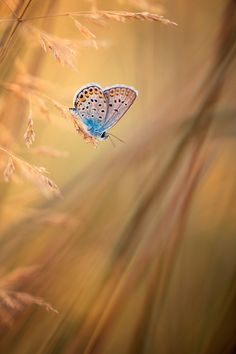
<point x="13" y="300"/>
<point x="9" y="170"/>
<point x="36" y="175"/>
<point x="122" y="16"/>
<point x="19" y="277"/>
<point x="29" y="135"/>
<point x="83" y="29"/>
<point x="63" y="50"/>
<point x="86" y="33"/>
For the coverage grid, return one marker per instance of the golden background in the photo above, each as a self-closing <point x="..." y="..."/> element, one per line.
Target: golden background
<point x="137" y="254"/>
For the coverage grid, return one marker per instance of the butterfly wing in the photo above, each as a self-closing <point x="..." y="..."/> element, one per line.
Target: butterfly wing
<point x="90" y="103"/>
<point x="119" y="99"/>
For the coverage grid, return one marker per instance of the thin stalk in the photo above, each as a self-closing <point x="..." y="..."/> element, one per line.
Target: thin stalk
<point x="9" y="7"/>
<point x="7" y="19"/>
<point x="7" y="41"/>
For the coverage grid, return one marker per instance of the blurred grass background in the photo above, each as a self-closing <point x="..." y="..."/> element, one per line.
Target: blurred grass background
<point x="138" y="256"/>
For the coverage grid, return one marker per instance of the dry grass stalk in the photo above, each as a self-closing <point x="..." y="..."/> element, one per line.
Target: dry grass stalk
<point x="40" y="103"/>
<point x="23" y="88"/>
<point x="59" y="106"/>
<point x="29" y="135"/>
<point x="12" y="5"/>
<point x="122" y="16"/>
<point x="9" y="170"/>
<point x="86" y="33"/>
<point x="58" y="219"/>
<point x="19" y="277"/>
<point x="81" y="130"/>
<point x="143" y="16"/>
<point x="63" y="50"/>
<point x="28" y="299"/>
<point x="83" y="30"/>
<point x="95" y="44"/>
<point x="34" y="174"/>
<point x="12" y="300"/>
<point x="77" y="124"/>
<point x="16" y="89"/>
<point x="48" y="151"/>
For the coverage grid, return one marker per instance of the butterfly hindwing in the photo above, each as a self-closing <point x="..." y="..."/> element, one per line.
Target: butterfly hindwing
<point x="119" y="99"/>
<point x="90" y="102"/>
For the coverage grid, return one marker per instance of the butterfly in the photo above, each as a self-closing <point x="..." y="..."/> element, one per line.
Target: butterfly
<point x="99" y="109"/>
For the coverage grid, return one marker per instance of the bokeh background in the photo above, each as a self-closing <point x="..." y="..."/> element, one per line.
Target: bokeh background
<point x="137" y="254"/>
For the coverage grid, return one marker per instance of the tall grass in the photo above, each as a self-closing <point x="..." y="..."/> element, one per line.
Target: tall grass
<point x="138" y="256"/>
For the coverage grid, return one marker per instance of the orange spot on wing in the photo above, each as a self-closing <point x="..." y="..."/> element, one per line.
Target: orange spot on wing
<point x="82" y="98"/>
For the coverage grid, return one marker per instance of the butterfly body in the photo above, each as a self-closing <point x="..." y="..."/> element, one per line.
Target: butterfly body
<point x="94" y="127"/>
<point x="100" y="109"/>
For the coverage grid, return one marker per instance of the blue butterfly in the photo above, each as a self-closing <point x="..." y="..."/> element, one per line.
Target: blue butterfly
<point x="100" y="109"/>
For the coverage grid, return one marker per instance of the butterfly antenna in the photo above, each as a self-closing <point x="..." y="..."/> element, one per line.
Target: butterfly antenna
<point x="114" y="136"/>
<point x="112" y="142"/>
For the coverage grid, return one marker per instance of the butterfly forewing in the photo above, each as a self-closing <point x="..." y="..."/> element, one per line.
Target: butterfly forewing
<point x="119" y="99"/>
<point x="90" y="102"/>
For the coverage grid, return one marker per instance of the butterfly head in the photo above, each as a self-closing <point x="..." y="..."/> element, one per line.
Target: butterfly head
<point x="103" y="136"/>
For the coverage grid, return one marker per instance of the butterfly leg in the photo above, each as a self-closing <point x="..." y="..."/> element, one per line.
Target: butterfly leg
<point x="73" y="110"/>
